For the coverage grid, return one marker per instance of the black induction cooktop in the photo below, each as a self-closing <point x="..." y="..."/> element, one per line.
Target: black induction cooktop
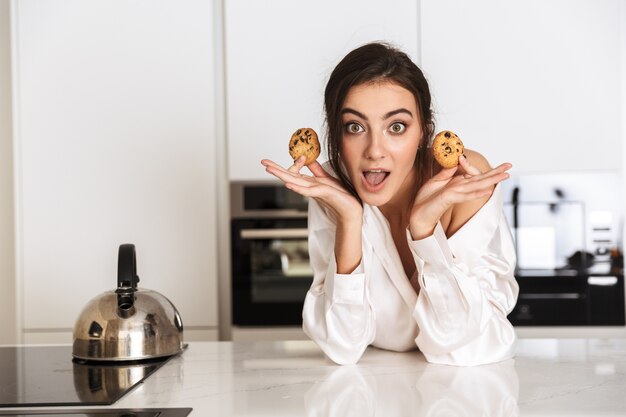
<point x="119" y="412"/>
<point x="35" y="376"/>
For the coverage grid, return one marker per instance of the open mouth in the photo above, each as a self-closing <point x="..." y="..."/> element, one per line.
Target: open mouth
<point x="375" y="177"/>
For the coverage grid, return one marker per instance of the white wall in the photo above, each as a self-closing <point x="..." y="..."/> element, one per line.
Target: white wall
<point x="115" y="143"/>
<point x="279" y="55"/>
<point x="532" y="82"/>
<point x="7" y="252"/>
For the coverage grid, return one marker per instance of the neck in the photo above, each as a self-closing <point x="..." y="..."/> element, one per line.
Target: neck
<point x="398" y="209"/>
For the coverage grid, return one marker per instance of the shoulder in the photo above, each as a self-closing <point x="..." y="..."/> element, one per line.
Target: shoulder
<point x="461" y="213"/>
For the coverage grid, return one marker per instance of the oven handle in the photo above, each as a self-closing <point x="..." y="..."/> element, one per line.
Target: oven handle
<point x="550" y="296"/>
<point x="604" y="281"/>
<point x="248" y="234"/>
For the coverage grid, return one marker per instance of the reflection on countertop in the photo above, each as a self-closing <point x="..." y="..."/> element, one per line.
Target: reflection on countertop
<point x="548" y="377"/>
<point x="437" y="390"/>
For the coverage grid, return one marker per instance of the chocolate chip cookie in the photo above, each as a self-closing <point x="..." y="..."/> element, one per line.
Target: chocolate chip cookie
<point x="304" y="142"/>
<point x="447" y="148"/>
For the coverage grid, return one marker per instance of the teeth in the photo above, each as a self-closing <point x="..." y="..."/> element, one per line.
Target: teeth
<point x="375" y="170"/>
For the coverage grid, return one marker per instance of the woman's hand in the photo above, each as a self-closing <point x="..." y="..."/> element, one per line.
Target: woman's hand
<point x="329" y="193"/>
<point x="325" y="189"/>
<point x="447" y="189"/>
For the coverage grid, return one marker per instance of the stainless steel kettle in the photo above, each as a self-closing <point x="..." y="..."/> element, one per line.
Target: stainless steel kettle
<point x="130" y="323"/>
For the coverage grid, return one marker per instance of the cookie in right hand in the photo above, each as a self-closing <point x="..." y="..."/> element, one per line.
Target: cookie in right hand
<point x="304" y="142"/>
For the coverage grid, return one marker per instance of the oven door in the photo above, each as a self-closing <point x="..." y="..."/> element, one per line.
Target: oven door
<point x="271" y="271"/>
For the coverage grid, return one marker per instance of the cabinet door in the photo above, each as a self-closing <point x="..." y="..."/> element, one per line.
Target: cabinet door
<point x="279" y="56"/>
<point x="115" y="144"/>
<point x="533" y="82"/>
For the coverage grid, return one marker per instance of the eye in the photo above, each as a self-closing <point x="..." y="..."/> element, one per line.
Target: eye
<point x="354" y="128"/>
<point x="397" y="127"/>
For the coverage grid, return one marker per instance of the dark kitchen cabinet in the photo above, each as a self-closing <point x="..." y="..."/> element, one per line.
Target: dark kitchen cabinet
<point x="569" y="298"/>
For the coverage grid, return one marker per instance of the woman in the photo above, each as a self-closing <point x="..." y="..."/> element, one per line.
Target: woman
<point x="404" y="254"/>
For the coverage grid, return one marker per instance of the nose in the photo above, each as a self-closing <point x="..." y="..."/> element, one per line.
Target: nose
<point x="375" y="146"/>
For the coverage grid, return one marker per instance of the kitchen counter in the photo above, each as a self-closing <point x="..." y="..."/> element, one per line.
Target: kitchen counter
<point x="548" y="377"/>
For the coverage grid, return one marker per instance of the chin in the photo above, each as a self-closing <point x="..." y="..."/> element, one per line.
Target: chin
<point x="374" y="199"/>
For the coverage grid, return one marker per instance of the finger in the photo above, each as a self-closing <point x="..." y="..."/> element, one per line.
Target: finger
<point x="469" y="168"/>
<point x="269" y="163"/>
<point x="486" y="182"/>
<point x="266" y="162"/>
<point x="467" y="195"/>
<point x="287" y="176"/>
<point x="317" y="170"/>
<point x="321" y="192"/>
<point x="494" y="171"/>
<point x="481" y="193"/>
<point x="311" y="191"/>
<point x="297" y="165"/>
<point x="504" y="166"/>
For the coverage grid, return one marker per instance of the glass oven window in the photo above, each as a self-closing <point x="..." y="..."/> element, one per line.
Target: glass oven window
<point x="280" y="270"/>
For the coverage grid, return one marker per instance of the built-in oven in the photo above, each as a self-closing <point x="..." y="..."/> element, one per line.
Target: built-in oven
<point x="271" y="273"/>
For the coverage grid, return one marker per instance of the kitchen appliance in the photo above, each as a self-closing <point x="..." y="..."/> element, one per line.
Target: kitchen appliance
<point x="560" y="282"/>
<point x="38" y="376"/>
<point x="566" y="297"/>
<point x="117" y="412"/>
<point x="130" y="323"/>
<point x="271" y="273"/>
<point x="547" y="234"/>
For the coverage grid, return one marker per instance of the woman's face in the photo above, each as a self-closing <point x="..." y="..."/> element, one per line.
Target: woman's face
<point x="381" y="134"/>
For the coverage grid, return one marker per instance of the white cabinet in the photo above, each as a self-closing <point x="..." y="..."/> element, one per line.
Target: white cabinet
<point x="7" y="251"/>
<point x="115" y="142"/>
<point x="279" y="54"/>
<point x="532" y="82"/>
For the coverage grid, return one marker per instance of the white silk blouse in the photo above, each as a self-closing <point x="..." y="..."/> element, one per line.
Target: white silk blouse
<point x="467" y="288"/>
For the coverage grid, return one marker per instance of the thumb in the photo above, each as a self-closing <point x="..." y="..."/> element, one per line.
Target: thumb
<point x="469" y="168"/>
<point x="297" y="164"/>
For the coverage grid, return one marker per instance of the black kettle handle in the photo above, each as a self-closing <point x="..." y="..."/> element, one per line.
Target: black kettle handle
<point x="127" y="280"/>
<point x="127" y="267"/>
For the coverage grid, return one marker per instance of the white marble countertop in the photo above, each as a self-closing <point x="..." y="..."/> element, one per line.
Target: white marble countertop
<point x="549" y="377"/>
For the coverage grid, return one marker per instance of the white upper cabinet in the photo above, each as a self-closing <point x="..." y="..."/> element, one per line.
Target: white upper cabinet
<point x="532" y="82"/>
<point x="279" y="55"/>
<point x="115" y="143"/>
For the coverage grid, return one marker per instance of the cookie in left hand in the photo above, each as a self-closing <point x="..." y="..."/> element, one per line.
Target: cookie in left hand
<point x="447" y="148"/>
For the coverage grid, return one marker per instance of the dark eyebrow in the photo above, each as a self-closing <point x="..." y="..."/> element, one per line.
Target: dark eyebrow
<point x="356" y="113"/>
<point x="385" y="117"/>
<point x="398" y="111"/>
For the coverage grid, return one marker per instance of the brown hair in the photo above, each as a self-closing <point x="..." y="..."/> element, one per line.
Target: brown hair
<point x="371" y="63"/>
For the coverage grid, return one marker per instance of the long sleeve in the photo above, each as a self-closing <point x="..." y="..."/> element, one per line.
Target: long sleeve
<point x="467" y="289"/>
<point x="337" y="314"/>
